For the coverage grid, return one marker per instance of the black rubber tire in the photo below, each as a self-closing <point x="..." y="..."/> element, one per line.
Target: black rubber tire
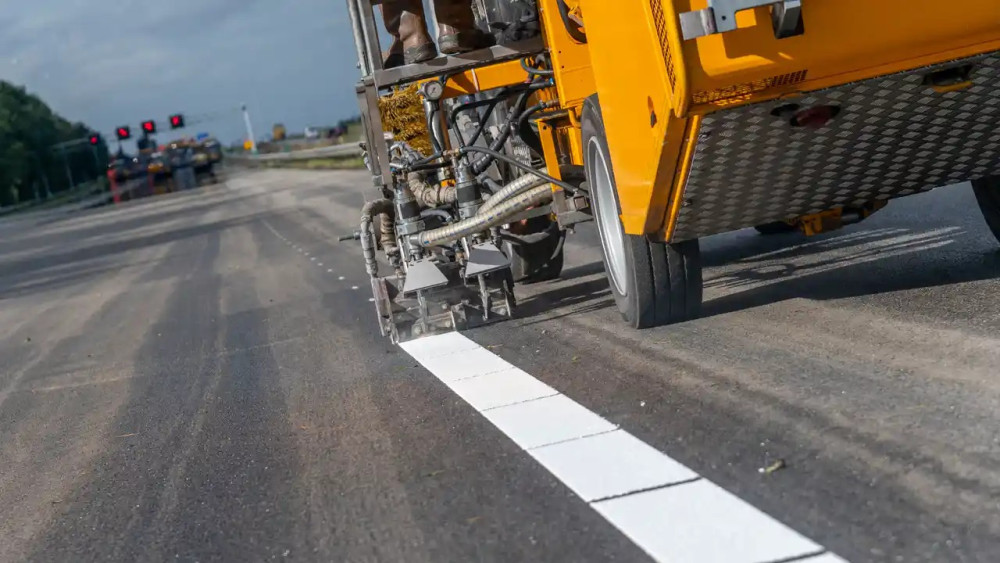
<point x="776" y="228"/>
<point x="987" y="193"/>
<point x="663" y="282"/>
<point x="536" y="257"/>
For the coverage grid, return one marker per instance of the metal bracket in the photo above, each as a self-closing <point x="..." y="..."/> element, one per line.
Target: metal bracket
<point x="485" y="258"/>
<point x="423" y="274"/>
<point x="720" y="17"/>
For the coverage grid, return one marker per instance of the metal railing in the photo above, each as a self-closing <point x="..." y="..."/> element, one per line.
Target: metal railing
<point x="332" y="151"/>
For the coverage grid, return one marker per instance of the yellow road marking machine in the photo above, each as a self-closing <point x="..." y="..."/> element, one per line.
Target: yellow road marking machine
<point x="664" y="121"/>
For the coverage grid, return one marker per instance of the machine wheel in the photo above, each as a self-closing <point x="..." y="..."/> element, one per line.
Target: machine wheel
<point x="776" y="228"/>
<point x="538" y="256"/>
<point x="653" y="283"/>
<point x="987" y="193"/>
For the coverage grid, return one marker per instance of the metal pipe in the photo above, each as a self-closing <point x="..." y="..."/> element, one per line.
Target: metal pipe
<point x="359" y="40"/>
<point x="497" y="216"/>
<point x="368" y="212"/>
<point x="513" y="188"/>
<point x="430" y="195"/>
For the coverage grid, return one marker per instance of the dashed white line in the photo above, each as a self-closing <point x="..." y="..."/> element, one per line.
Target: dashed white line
<point x="329" y="270"/>
<point x="354" y="287"/>
<point x="341" y="278"/>
<point x="320" y="264"/>
<point x="666" y="508"/>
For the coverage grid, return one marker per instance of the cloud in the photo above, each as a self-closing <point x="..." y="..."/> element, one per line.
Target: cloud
<point x="108" y="63"/>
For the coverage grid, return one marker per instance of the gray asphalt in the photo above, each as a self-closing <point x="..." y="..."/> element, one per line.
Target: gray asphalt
<point x="177" y="382"/>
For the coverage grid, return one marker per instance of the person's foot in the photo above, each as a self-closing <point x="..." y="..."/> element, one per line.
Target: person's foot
<point x="419" y="53"/>
<point x="393" y="60"/>
<point x="404" y="20"/>
<point x="453" y="41"/>
<point x="457" y="31"/>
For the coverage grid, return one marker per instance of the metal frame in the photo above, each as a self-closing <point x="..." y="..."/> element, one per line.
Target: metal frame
<point x="720" y="17"/>
<point x="375" y="78"/>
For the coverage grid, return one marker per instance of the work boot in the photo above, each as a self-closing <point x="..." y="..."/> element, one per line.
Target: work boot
<point x="457" y="31"/>
<point x="411" y="43"/>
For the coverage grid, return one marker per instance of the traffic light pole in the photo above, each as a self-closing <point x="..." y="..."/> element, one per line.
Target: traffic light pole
<point x="69" y="173"/>
<point x="250" y="137"/>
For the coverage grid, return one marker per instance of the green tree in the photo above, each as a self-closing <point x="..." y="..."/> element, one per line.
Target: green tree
<point x="29" y="130"/>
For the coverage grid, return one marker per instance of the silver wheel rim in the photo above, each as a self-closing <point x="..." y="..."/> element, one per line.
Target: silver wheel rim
<point x="606" y="212"/>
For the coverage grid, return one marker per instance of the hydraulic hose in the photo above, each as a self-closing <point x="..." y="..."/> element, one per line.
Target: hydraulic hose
<point x="497" y="216"/>
<point x="513" y="188"/>
<point x="368" y="213"/>
<point x="430" y="195"/>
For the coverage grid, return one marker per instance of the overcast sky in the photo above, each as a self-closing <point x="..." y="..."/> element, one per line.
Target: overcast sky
<point x="112" y="62"/>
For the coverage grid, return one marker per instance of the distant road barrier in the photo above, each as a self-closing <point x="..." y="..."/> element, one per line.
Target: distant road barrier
<point x="332" y="151"/>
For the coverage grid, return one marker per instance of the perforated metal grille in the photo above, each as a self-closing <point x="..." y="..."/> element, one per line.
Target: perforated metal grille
<point x="661" y="30"/>
<point x="894" y="136"/>
<point x="747" y="88"/>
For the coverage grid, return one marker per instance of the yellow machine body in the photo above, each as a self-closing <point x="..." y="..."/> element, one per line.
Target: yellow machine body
<point x="655" y="88"/>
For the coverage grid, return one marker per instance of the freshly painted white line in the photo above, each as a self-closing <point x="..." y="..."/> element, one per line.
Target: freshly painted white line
<point x="354" y="287"/>
<point x="554" y="419"/>
<point x="612" y="464"/>
<point x="701" y="522"/>
<point x="500" y="389"/>
<point x="473" y="362"/>
<point x="660" y="504"/>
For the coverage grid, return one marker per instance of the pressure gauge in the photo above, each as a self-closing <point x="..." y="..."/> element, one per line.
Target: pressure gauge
<point x="433" y="90"/>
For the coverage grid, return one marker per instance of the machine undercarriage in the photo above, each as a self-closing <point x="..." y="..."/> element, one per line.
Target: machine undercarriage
<point x="466" y="207"/>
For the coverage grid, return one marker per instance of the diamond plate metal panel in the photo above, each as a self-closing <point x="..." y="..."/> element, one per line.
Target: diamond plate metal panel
<point x="894" y="136"/>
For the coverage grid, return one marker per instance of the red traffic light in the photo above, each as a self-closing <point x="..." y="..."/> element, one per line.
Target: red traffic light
<point x="95" y="140"/>
<point x="149" y="126"/>
<point x="123" y="133"/>
<point x="176" y="121"/>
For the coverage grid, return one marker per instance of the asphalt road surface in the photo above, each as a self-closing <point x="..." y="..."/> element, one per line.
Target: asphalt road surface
<point x="199" y="377"/>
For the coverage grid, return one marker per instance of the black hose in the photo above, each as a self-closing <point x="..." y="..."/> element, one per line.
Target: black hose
<point x="515" y="163"/>
<point x="480" y="166"/>
<point x="434" y="129"/>
<point x="491" y="185"/>
<point x="535" y="71"/>
<point x="491" y="103"/>
<point x="524" y="129"/>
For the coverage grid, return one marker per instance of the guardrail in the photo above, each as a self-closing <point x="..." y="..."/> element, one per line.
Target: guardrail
<point x="332" y="151"/>
<point x="94" y="195"/>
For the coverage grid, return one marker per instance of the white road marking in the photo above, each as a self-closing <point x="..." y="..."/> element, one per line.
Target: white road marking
<point x="320" y="264"/>
<point x="313" y="259"/>
<point x="667" y="509"/>
<point x="329" y="270"/>
<point x="341" y="278"/>
<point x="354" y="287"/>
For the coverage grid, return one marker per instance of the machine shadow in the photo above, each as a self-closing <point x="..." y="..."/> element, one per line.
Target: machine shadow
<point x="852" y="265"/>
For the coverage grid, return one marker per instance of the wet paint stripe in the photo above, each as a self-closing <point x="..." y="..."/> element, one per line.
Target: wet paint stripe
<point x="667" y="509"/>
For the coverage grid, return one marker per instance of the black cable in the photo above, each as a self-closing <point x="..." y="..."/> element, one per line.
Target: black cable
<point x="535" y="71"/>
<point x="524" y="129"/>
<point x="492" y="103"/>
<point x="515" y="163"/>
<point x="491" y="185"/>
<point x="432" y="130"/>
<point x="480" y="166"/>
